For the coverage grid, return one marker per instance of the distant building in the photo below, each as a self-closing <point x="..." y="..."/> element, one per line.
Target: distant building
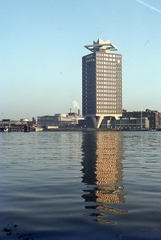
<point x="44" y="121"/>
<point x="60" y="120"/>
<point x="101" y="83"/>
<point x="8" y="125"/>
<point x="130" y="123"/>
<point x="153" y="116"/>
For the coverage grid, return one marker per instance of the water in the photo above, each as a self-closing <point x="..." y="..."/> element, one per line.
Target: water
<point x="80" y="185"/>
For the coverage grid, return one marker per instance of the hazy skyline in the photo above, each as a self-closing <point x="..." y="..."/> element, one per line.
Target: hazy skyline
<point x="42" y="44"/>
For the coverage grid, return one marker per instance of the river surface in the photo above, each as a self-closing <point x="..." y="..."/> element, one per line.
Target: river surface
<point x="80" y="185"/>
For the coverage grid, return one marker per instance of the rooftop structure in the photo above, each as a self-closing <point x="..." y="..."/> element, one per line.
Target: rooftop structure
<point x="100" y="45"/>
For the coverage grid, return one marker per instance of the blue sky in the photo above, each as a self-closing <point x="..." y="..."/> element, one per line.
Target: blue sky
<point x="42" y="44"/>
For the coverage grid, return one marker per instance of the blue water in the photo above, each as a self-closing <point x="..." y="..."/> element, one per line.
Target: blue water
<point x="80" y="185"/>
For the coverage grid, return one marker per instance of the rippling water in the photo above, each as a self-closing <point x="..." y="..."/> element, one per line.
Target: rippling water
<point x="80" y="185"/>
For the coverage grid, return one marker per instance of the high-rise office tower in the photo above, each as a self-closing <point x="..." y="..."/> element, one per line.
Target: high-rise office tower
<point x="102" y="83"/>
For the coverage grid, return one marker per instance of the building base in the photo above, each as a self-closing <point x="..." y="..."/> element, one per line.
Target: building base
<point x="98" y="119"/>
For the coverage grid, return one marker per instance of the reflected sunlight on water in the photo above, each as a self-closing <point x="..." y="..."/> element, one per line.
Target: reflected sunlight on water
<point x="102" y="168"/>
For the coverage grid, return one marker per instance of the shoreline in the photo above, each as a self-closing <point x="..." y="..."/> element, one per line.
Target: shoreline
<point x="76" y="129"/>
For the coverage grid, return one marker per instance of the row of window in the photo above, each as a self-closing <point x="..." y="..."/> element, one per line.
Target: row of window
<point x="107" y="82"/>
<point x="106" y="86"/>
<point x="108" y="71"/>
<point x="90" y="60"/>
<point x="103" y="65"/>
<point x="89" y="56"/>
<point x="106" y="63"/>
<point x="104" y="102"/>
<point x="106" y="66"/>
<point x="108" y="79"/>
<point x="106" y="107"/>
<point x="106" y="111"/>
<point x="108" y="55"/>
<point x="107" y="59"/>
<point x="118" y="73"/>
<point x="106" y="75"/>
<point x="105" y="95"/>
<point x="105" y="90"/>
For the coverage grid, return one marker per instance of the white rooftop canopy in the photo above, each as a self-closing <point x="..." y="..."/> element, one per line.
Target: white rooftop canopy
<point x="101" y="46"/>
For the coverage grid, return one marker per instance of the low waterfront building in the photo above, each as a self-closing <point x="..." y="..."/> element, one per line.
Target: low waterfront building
<point x="60" y="120"/>
<point x="122" y="123"/>
<point x="8" y="125"/>
<point x="153" y="116"/>
<point x="44" y="121"/>
<point x="130" y="123"/>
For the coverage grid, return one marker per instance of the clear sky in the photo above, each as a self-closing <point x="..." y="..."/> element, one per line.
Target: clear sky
<point x="42" y="44"/>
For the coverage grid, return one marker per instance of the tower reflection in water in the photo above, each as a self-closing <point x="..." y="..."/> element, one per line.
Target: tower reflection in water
<point x="102" y="173"/>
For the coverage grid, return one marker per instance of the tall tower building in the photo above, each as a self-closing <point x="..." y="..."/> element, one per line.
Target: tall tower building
<point x="101" y="83"/>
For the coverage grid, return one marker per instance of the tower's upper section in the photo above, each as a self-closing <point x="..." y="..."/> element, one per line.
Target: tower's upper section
<point x="101" y="46"/>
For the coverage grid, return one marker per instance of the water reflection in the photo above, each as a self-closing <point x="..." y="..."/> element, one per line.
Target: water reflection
<point x="102" y="172"/>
